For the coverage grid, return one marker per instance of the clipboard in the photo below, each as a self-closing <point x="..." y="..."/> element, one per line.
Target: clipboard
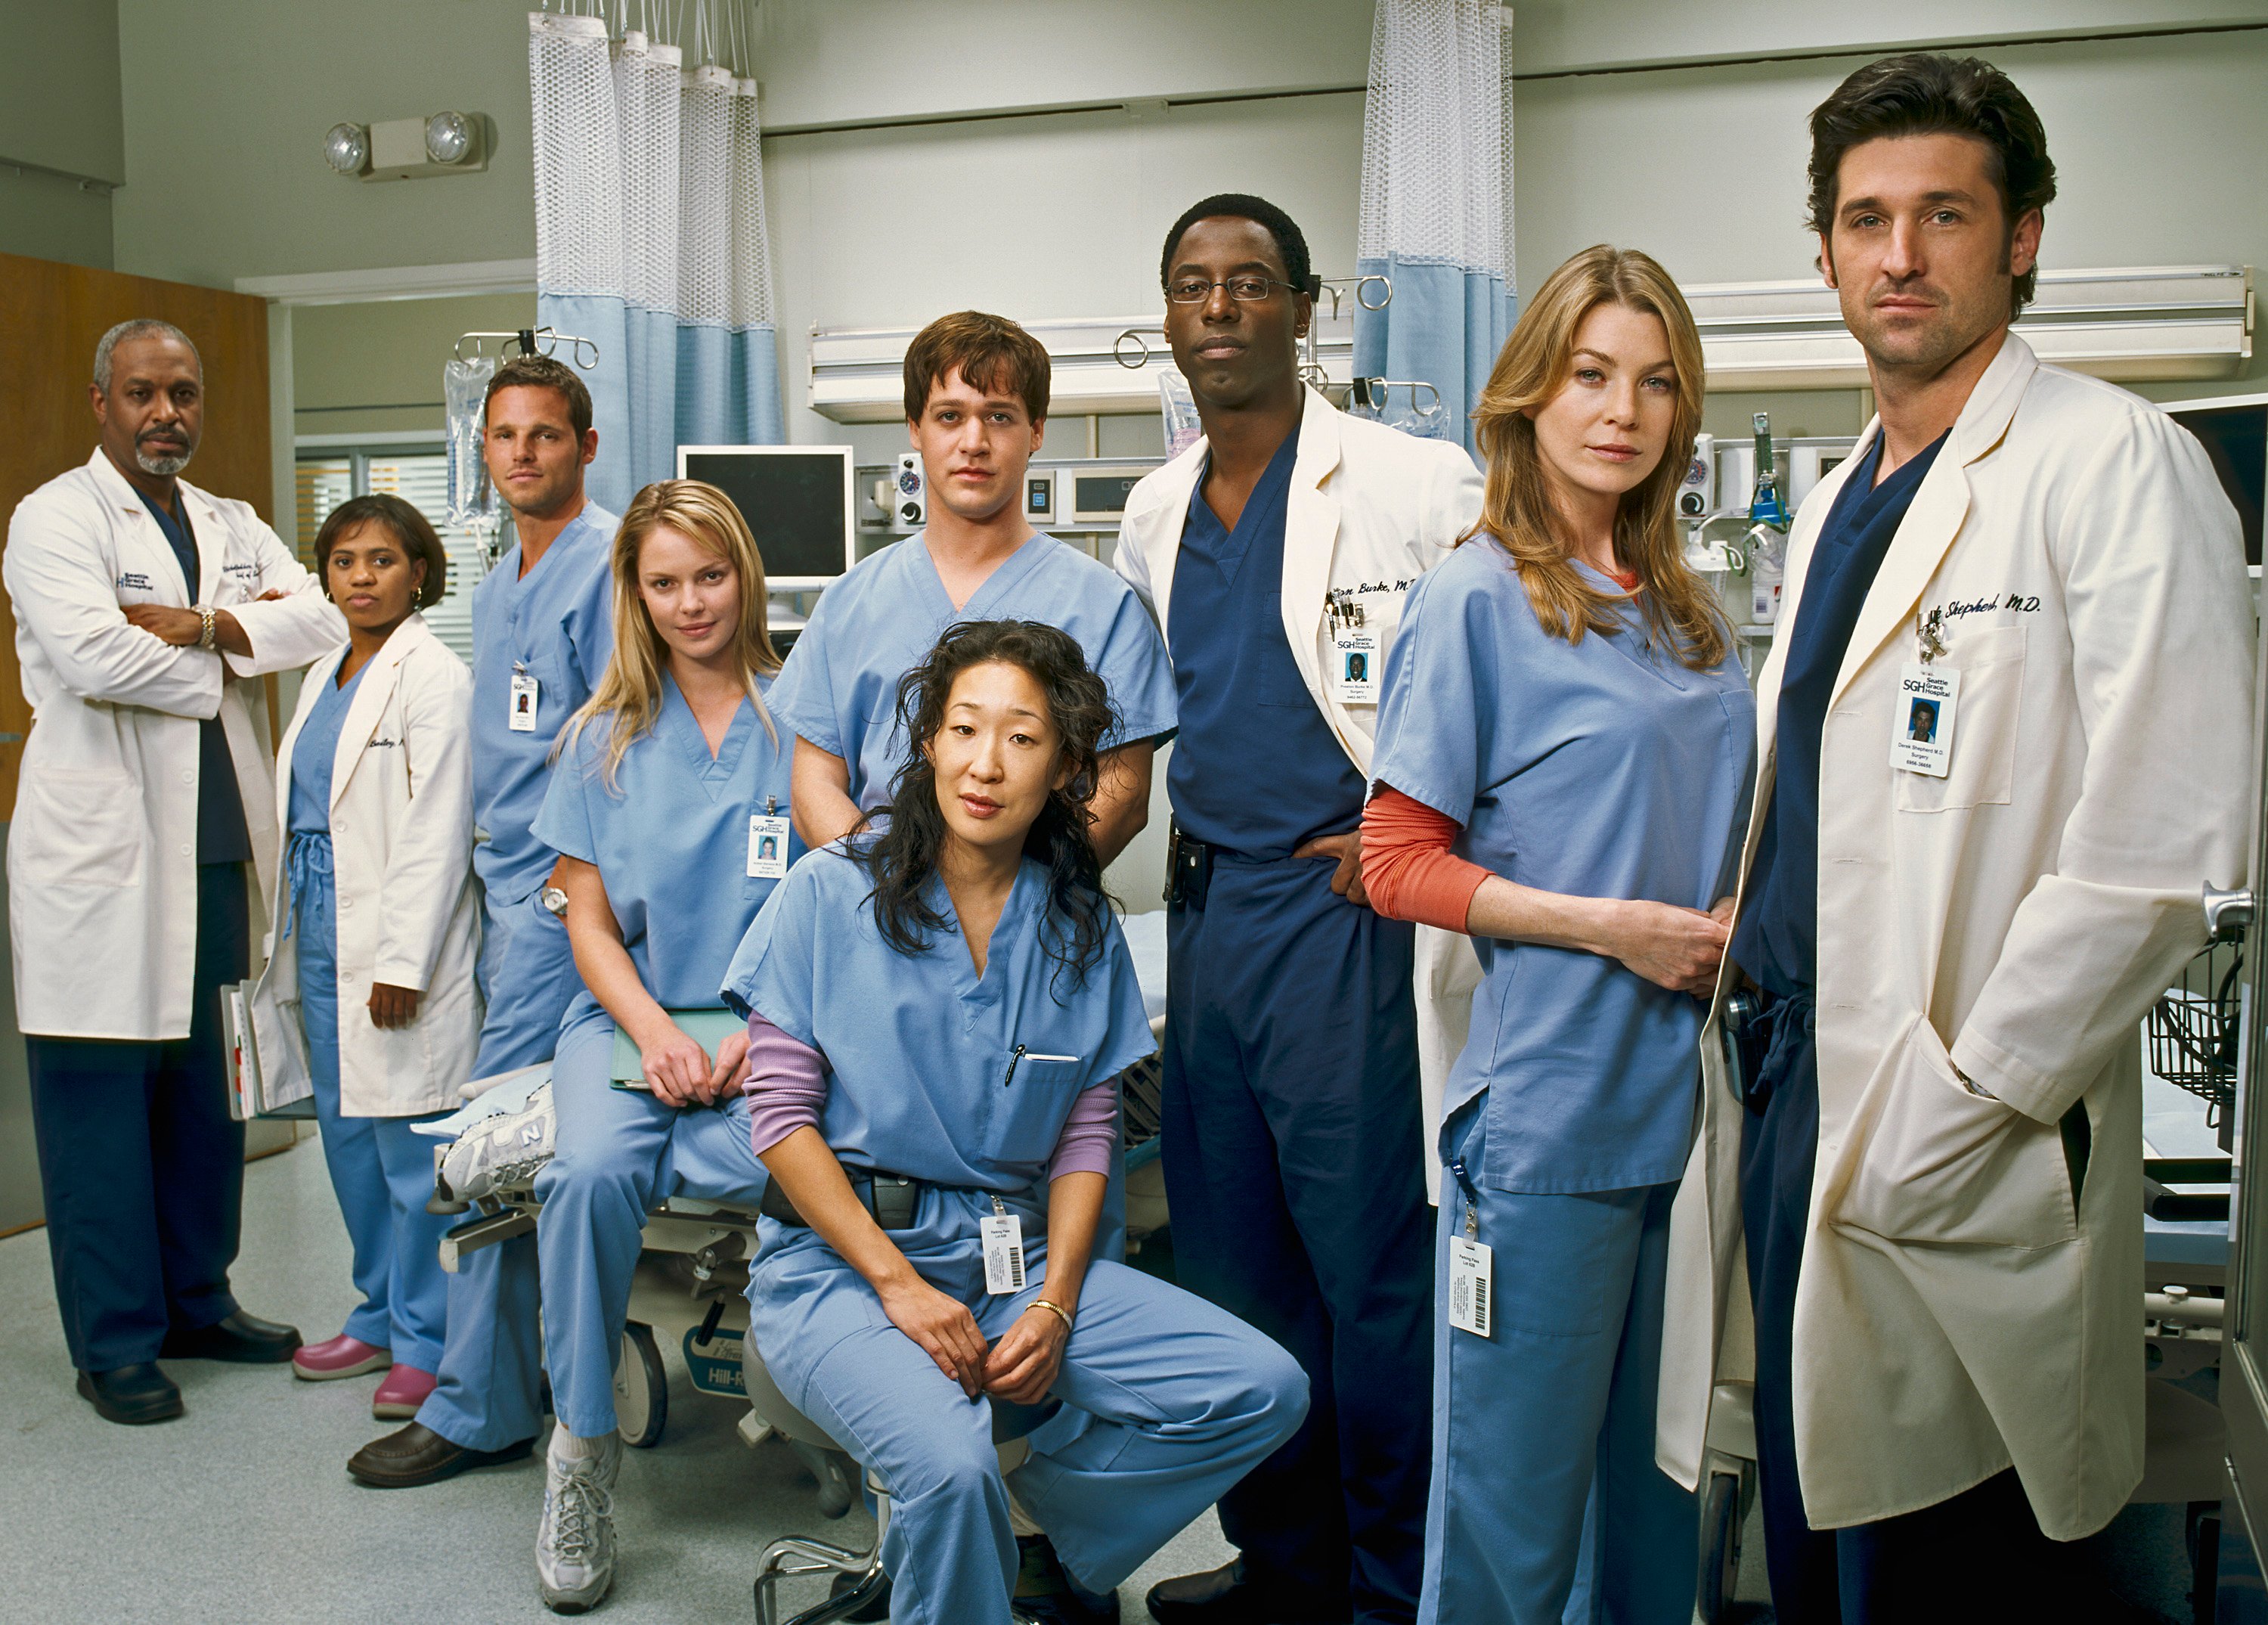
<point x="707" y="1028"/>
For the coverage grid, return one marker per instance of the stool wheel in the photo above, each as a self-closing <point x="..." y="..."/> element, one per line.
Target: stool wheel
<point x="641" y="1388"/>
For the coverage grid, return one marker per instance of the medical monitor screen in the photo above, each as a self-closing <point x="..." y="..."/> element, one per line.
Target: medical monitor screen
<point x="796" y="500"/>
<point x="2235" y="437"/>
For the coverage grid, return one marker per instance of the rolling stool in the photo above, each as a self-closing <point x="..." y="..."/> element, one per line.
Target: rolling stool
<point x="800" y="1554"/>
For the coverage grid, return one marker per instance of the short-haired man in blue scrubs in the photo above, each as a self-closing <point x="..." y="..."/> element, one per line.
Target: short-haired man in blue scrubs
<point x="977" y="408"/>
<point x="542" y="629"/>
<point x="1277" y="553"/>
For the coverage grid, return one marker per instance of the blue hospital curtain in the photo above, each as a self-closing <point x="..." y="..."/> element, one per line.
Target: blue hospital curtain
<point x="1436" y="215"/>
<point x="650" y="241"/>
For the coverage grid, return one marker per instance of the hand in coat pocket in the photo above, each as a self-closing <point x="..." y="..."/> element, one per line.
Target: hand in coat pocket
<point x="1927" y="1161"/>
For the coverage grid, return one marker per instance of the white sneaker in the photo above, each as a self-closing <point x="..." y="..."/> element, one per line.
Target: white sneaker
<point x="575" y="1545"/>
<point x="499" y="1153"/>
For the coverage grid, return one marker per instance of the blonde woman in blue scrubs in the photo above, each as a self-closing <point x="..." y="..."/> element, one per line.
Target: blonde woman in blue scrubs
<point x="1566" y="748"/>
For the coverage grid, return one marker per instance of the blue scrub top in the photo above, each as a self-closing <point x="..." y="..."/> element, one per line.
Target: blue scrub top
<point x="222" y="836"/>
<point x="1606" y="769"/>
<point x="670" y="841"/>
<point x="1257" y="769"/>
<point x="840" y="686"/>
<point x="1777" y="941"/>
<point x="556" y="622"/>
<point x="918" y="1045"/>
<point x="314" y="753"/>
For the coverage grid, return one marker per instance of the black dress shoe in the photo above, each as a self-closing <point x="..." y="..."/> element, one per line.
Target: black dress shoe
<point x="241" y="1339"/>
<point x="1046" y="1592"/>
<point x="132" y="1394"/>
<point x="1230" y="1595"/>
<point x="416" y="1455"/>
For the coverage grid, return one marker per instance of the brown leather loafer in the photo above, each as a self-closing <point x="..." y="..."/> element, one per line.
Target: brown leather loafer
<point x="416" y="1455"/>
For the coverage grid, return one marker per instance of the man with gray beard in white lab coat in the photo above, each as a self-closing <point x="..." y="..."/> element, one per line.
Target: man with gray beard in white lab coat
<point x="147" y="786"/>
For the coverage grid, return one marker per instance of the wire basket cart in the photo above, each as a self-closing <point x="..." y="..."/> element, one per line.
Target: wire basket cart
<point x="2192" y="1031"/>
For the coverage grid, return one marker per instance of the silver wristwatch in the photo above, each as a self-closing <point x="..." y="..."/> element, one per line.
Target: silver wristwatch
<point x="553" y="898"/>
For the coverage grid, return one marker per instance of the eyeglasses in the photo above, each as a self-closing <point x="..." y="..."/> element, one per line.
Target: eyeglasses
<point x="1243" y="289"/>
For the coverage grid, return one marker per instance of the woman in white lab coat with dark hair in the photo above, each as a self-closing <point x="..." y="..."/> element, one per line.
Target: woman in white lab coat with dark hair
<point x="377" y="927"/>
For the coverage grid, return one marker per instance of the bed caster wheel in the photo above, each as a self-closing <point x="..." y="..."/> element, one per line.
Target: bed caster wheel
<point x="641" y="1388"/>
<point x="1721" y="1549"/>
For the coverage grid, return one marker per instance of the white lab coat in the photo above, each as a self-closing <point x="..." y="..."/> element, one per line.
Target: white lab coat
<point x="1370" y="510"/>
<point x="401" y="863"/>
<point x="102" y="874"/>
<point x="1958" y="1311"/>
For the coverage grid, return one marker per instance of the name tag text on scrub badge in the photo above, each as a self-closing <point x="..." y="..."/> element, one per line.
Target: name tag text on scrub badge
<point x="1471" y="1264"/>
<point x="1003" y="1251"/>
<point x="1355" y="667"/>
<point x="521" y="720"/>
<point x="767" y="845"/>
<point x="1921" y="733"/>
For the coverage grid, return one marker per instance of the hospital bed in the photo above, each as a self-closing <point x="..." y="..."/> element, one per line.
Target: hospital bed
<point x="2189" y="1054"/>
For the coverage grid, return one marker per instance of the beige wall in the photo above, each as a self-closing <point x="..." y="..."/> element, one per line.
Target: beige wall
<point x="62" y="145"/>
<point x="361" y="369"/>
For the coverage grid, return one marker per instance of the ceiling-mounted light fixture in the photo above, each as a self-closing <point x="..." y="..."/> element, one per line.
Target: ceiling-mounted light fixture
<point x="346" y="148"/>
<point x="449" y="138"/>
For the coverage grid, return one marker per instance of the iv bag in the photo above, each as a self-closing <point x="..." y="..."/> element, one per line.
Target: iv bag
<point x="464" y="388"/>
<point x="1183" y="429"/>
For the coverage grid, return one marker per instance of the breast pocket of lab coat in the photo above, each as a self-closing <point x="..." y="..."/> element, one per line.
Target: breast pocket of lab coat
<point x="1986" y="722"/>
<point x="1935" y="1163"/>
<point x="78" y="826"/>
<point x="1028" y="1119"/>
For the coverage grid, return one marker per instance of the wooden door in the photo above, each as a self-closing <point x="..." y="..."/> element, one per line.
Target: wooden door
<point x="51" y="316"/>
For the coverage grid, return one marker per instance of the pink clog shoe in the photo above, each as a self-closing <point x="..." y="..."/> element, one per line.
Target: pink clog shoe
<point x="402" y="1392"/>
<point x="340" y="1356"/>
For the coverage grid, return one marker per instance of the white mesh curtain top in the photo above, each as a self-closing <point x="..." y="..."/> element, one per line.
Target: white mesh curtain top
<point x="650" y="240"/>
<point x="1436" y="213"/>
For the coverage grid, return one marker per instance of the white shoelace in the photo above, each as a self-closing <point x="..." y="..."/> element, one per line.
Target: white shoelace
<point x="577" y="1506"/>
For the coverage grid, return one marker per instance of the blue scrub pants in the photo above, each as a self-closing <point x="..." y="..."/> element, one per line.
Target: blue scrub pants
<point x="381" y="1170"/>
<point x="141" y="1166"/>
<point x="1980" y="1551"/>
<point x="1179" y="1401"/>
<point x="1554" y="1409"/>
<point x="1292" y="1142"/>
<point x="490" y="1393"/>
<point x="619" y="1150"/>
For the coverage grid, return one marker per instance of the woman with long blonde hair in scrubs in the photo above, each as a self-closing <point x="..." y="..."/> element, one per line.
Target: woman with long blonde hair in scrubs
<point x="1565" y="746"/>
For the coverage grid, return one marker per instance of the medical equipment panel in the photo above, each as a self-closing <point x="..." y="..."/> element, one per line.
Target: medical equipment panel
<point x="1099" y="493"/>
<point x="796" y="500"/>
<point x="1041" y="500"/>
<point x="908" y="504"/>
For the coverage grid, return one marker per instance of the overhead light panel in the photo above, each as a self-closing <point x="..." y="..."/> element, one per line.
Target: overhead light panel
<point x="346" y="148"/>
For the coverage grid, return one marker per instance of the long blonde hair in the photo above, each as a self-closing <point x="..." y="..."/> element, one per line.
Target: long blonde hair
<point x="631" y="688"/>
<point x="1517" y="508"/>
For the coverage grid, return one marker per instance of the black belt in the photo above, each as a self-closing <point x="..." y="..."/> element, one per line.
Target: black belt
<point x="893" y="1198"/>
<point x="1189" y="867"/>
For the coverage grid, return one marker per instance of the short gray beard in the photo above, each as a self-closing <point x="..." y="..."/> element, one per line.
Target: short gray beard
<point x="165" y="467"/>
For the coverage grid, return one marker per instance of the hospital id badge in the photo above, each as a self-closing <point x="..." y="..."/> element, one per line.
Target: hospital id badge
<point x="1003" y="1252"/>
<point x="1921" y="740"/>
<point x="522" y="719"/>
<point x="1355" y="667"/>
<point x="767" y="846"/>
<point x="1472" y="1264"/>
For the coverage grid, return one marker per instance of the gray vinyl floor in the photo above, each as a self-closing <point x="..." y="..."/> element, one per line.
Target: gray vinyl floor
<point x="242" y="1510"/>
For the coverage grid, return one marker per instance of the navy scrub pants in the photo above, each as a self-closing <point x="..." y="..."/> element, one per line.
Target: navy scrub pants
<point x="141" y="1166"/>
<point x="1292" y="1147"/>
<point x="1980" y="1553"/>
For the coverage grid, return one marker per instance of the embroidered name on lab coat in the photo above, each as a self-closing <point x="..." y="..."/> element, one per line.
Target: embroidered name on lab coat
<point x="2019" y="603"/>
<point x="133" y="581"/>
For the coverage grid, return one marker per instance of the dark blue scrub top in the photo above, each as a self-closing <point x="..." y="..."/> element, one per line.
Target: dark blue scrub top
<point x="221" y="837"/>
<point x="1255" y="768"/>
<point x="1777" y="941"/>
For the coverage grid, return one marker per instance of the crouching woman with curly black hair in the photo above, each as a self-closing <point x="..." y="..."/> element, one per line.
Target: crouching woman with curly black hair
<point x="944" y="998"/>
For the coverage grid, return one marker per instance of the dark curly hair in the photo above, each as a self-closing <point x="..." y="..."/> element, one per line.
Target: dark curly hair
<point x="902" y="857"/>
<point x="1290" y="241"/>
<point x="1926" y="93"/>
